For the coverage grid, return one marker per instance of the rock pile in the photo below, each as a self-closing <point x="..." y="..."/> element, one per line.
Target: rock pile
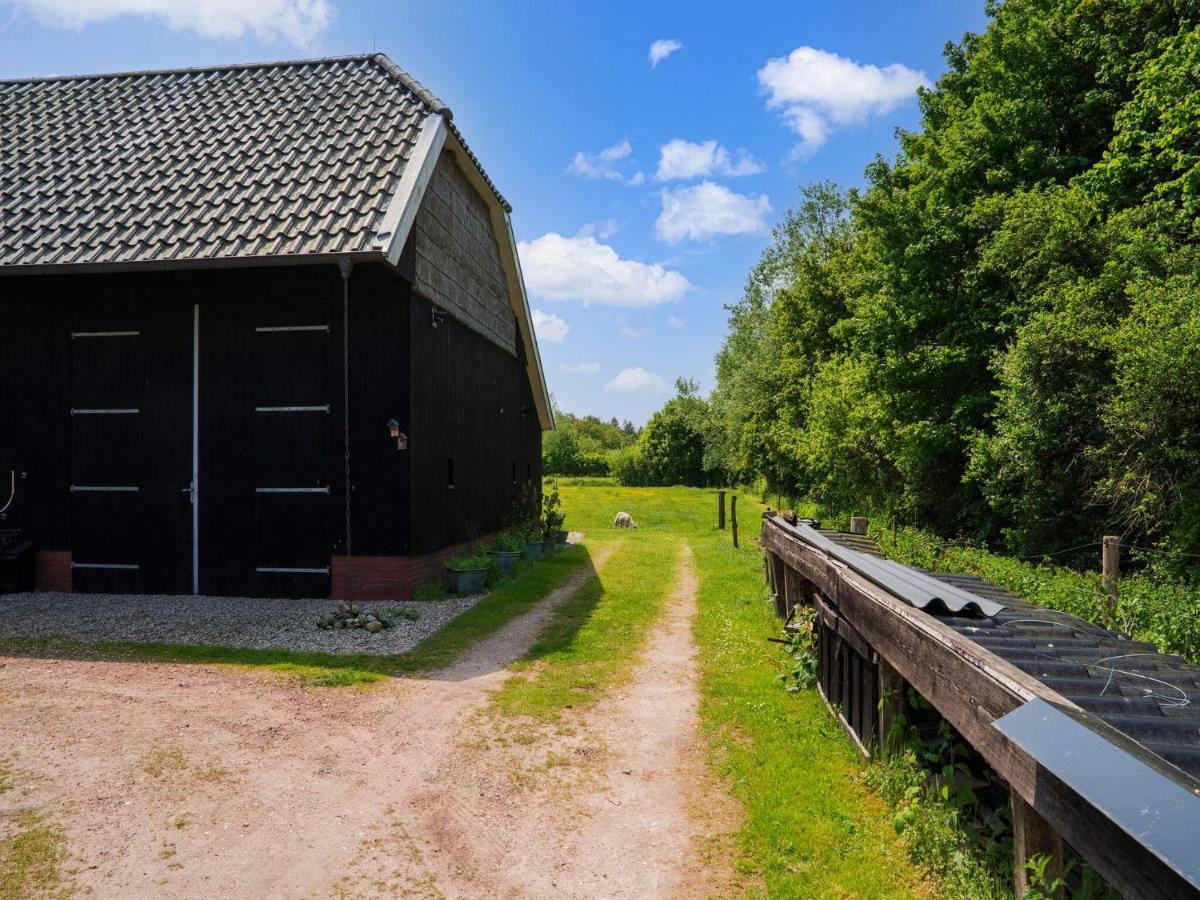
<point x="347" y="615"/>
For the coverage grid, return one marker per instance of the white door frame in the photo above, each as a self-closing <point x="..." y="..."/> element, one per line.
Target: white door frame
<point x="195" y="487"/>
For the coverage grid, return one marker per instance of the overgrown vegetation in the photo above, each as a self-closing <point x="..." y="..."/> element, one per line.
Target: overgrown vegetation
<point x="998" y="336"/>
<point x="32" y="852"/>
<point x="584" y="445"/>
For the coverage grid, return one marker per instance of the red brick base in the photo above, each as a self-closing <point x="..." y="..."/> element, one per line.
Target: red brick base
<point x="390" y="577"/>
<point x="53" y="571"/>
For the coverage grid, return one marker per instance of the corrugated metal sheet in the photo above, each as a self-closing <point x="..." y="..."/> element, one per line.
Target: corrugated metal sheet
<point x="1151" y="697"/>
<point x="910" y="585"/>
<point x="280" y="159"/>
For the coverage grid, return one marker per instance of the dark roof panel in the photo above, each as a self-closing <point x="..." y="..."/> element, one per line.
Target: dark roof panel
<point x="201" y="164"/>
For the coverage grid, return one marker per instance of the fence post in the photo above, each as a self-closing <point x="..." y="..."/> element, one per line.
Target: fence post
<point x="858" y="524"/>
<point x="721" y="510"/>
<point x="1032" y="836"/>
<point x="733" y="518"/>
<point x="1110" y="566"/>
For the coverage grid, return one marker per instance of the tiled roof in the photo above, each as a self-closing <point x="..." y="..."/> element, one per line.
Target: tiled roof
<point x="294" y="158"/>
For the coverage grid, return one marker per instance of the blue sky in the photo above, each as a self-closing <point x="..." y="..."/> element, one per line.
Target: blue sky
<point x="642" y="194"/>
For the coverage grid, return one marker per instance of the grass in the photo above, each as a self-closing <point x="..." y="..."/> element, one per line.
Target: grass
<point x="811" y="827"/>
<point x="513" y="596"/>
<point x="32" y="852"/>
<point x="592" y="641"/>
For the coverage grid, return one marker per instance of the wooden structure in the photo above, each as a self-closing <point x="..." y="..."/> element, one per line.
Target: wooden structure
<point x="976" y="670"/>
<point x="262" y="332"/>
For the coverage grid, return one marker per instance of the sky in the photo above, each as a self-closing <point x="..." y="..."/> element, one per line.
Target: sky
<point x="646" y="148"/>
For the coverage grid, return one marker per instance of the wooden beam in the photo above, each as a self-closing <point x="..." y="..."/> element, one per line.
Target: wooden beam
<point x="721" y="510"/>
<point x="858" y="524"/>
<point x="891" y="702"/>
<point x="1033" y="837"/>
<point x="971" y="687"/>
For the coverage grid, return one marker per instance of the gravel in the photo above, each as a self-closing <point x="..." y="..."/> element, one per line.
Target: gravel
<point x="254" y="623"/>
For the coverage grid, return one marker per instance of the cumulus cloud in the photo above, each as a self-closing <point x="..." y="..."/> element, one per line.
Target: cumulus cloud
<point x="603" y="229"/>
<point x="581" y="268"/>
<point x="661" y="49"/>
<point x="706" y="210"/>
<point x="579" y="368"/>
<point x="637" y="380"/>
<point x="817" y="90"/>
<point x="296" y="21"/>
<point x="675" y="321"/>
<point x="683" y="160"/>
<point x="614" y="163"/>
<point x="549" y="327"/>
<point x="628" y="331"/>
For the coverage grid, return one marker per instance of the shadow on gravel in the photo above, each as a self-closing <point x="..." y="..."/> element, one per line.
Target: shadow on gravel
<point x="514" y="596"/>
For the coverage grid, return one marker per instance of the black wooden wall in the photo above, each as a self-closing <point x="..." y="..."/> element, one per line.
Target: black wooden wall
<point x="455" y="394"/>
<point x="472" y="410"/>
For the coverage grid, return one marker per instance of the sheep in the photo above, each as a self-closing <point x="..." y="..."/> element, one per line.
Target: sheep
<point x="624" y="520"/>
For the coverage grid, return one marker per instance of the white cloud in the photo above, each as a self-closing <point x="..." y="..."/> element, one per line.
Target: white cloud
<point x="675" y="321"/>
<point x="297" y="21"/>
<point x="581" y="268"/>
<point x="603" y="229"/>
<point x="706" y="210"/>
<point x="579" y="368"/>
<point x="817" y="90"/>
<point x="628" y="331"/>
<point x="614" y="163"/>
<point x="549" y="327"/>
<point x="680" y="159"/>
<point x="661" y="49"/>
<point x="637" y="380"/>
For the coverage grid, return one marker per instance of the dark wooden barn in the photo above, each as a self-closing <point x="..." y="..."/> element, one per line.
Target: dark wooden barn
<point x="262" y="332"/>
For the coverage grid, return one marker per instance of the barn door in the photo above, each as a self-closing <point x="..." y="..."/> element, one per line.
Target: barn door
<point x="266" y="460"/>
<point x="130" y="515"/>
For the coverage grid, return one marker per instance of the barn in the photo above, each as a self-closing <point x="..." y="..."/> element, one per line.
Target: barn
<point x="262" y="333"/>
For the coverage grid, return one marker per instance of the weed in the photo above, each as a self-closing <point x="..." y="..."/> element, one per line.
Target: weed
<point x="32" y="852"/>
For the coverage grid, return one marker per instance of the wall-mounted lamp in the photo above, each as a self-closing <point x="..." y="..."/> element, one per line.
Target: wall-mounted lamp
<point x="437" y="317"/>
<point x="397" y="435"/>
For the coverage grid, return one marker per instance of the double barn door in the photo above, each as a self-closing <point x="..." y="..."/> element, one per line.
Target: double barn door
<point x="202" y="447"/>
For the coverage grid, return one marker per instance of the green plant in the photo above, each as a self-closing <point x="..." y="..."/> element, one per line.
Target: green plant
<point x="1039" y="886"/>
<point x="470" y="561"/>
<point x="802" y="647"/>
<point x="552" y="515"/>
<point x="508" y="541"/>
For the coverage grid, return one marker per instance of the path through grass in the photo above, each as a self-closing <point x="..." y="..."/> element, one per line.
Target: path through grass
<point x="811" y="827"/>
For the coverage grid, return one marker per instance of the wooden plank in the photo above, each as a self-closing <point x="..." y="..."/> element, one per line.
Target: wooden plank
<point x="1033" y="836"/>
<point x="971" y="687"/>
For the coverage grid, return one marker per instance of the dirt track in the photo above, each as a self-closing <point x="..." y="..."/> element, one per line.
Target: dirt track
<point x="197" y="781"/>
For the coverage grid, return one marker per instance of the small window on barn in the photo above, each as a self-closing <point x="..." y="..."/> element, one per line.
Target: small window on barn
<point x="450" y="473"/>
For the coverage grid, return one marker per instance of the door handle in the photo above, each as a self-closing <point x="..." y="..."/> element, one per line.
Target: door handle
<point x="190" y="490"/>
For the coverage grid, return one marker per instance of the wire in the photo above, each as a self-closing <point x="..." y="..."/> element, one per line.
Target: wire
<point x="12" y="492"/>
<point x="1060" y="552"/>
<point x="1159" y="550"/>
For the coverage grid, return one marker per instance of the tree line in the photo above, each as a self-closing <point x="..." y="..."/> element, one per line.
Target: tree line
<point x="998" y="336"/>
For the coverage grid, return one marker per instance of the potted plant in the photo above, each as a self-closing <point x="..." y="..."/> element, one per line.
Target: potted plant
<point x="506" y="550"/>
<point x="553" y="518"/>
<point x="467" y="573"/>
<point x="533" y="542"/>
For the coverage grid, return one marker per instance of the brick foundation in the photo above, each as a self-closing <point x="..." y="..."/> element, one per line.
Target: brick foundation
<point x="391" y="577"/>
<point x="53" y="571"/>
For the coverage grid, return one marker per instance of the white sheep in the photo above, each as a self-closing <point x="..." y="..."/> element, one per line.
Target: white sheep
<point x="624" y="520"/>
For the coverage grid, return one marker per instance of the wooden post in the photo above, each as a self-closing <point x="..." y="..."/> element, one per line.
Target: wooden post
<point x="1032" y="836"/>
<point x="858" y="524"/>
<point x="891" y="702"/>
<point x="1110" y="565"/>
<point x="733" y="518"/>
<point x="893" y="531"/>
<point x="721" y="510"/>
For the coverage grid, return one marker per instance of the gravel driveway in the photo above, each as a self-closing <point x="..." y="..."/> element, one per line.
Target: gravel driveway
<point x="255" y="623"/>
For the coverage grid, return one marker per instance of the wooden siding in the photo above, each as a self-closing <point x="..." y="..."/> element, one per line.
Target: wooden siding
<point x="471" y="404"/>
<point x="457" y="259"/>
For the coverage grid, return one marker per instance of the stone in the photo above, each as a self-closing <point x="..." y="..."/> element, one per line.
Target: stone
<point x="374" y="627"/>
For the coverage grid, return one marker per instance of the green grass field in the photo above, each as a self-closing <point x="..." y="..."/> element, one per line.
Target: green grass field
<point x="811" y="827"/>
